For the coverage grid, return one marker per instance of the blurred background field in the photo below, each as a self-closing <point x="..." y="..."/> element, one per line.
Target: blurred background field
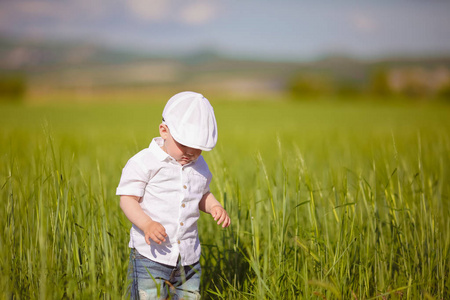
<point x="333" y="154"/>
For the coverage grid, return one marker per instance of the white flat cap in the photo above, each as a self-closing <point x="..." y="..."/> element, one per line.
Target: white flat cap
<point x="191" y="121"/>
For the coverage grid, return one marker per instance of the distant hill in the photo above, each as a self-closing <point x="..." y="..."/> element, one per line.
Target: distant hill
<point x="28" y="55"/>
<point x="88" y="66"/>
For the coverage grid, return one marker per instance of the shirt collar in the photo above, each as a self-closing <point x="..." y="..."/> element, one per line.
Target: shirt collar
<point x="155" y="148"/>
<point x="161" y="155"/>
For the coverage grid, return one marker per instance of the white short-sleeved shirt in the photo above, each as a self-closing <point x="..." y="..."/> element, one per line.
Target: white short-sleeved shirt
<point x="170" y="195"/>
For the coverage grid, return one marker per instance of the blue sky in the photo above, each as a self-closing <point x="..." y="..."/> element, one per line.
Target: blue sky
<point x="284" y="29"/>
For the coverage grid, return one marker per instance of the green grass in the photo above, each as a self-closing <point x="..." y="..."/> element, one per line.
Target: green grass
<point x="327" y="200"/>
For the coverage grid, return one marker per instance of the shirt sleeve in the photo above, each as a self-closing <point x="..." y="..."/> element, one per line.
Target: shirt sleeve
<point x="134" y="179"/>
<point x="204" y="170"/>
<point x="208" y="181"/>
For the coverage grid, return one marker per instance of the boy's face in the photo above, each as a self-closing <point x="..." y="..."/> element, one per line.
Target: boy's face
<point x="182" y="154"/>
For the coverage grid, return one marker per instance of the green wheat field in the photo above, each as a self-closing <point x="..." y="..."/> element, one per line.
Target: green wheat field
<point x="328" y="200"/>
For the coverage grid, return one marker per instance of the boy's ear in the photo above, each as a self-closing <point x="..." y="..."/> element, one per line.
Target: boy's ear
<point x="163" y="131"/>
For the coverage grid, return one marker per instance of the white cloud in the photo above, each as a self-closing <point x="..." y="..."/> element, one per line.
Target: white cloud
<point x="362" y="22"/>
<point x="186" y="12"/>
<point x="154" y="10"/>
<point x="199" y="12"/>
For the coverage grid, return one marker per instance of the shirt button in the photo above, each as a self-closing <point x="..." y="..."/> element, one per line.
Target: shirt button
<point x="181" y="223"/>
<point x="179" y="242"/>
<point x="184" y="187"/>
<point x="183" y="205"/>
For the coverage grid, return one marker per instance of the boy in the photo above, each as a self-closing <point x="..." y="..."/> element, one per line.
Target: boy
<point x="161" y="190"/>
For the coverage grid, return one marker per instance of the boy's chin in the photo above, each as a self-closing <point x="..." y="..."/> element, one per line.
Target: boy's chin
<point x="184" y="162"/>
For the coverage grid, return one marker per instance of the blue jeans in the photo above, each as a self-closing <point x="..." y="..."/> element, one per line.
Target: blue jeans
<point x="152" y="280"/>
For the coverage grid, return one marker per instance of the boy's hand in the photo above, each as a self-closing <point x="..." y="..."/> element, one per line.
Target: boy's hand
<point x="220" y="215"/>
<point x="155" y="231"/>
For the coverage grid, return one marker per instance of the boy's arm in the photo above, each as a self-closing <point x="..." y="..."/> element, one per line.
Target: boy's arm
<point x="210" y="205"/>
<point x="152" y="230"/>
